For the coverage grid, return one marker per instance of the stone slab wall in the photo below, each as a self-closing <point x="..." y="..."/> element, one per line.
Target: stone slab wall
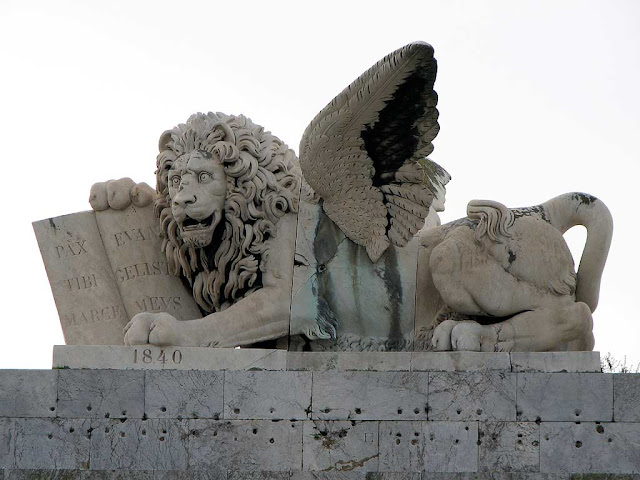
<point x="323" y="419"/>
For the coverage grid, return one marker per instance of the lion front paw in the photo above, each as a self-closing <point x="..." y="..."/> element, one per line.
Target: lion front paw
<point x="119" y="194"/>
<point x="441" y="340"/>
<point x="165" y="330"/>
<point x="136" y="332"/>
<point x="473" y="337"/>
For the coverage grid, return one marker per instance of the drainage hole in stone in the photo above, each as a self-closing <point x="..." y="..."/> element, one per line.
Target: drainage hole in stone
<point x="144" y="432"/>
<point x="609" y="440"/>
<point x="416" y="434"/>
<point x="358" y="411"/>
<point x="466" y="428"/>
<point x="577" y="412"/>
<point x="416" y="411"/>
<point x="271" y="440"/>
<point x="215" y="433"/>
<point x="458" y="411"/>
<point x="479" y="411"/>
<point x="519" y="435"/>
<point x="49" y="436"/>
<point x="398" y="434"/>
<point x="106" y="430"/>
<point x="88" y="408"/>
<point x="397" y="441"/>
<point x="271" y="410"/>
<point x="163" y="409"/>
<point x="600" y="429"/>
<point x="122" y="434"/>
<point x="578" y="444"/>
<point x="236" y="410"/>
<point x="52" y="408"/>
<point x="162" y="439"/>
<point x="457" y="441"/>
<point x="106" y="415"/>
<point x="255" y="430"/>
<point x="124" y="412"/>
<point x="399" y="411"/>
<point x="71" y="430"/>
<point x="519" y="442"/>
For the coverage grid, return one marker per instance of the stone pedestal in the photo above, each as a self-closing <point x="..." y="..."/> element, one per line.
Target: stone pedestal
<point x="127" y="412"/>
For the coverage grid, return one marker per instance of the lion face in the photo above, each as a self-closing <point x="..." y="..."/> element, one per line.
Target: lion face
<point x="197" y="189"/>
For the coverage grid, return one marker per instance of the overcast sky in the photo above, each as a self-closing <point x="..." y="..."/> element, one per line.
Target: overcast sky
<point x="536" y="99"/>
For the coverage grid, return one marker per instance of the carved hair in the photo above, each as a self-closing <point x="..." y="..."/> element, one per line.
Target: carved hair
<point x="262" y="186"/>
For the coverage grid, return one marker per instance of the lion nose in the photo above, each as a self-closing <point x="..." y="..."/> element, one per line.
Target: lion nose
<point x="183" y="200"/>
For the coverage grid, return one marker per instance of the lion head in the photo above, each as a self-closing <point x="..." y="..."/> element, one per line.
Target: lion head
<point x="223" y="183"/>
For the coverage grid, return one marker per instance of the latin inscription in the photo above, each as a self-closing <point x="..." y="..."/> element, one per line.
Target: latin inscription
<point x="148" y="356"/>
<point x="71" y="249"/>
<point x="141" y="270"/>
<point x="136" y="235"/>
<point x="159" y="304"/>
<point x="94" y="315"/>
<point x="80" y="283"/>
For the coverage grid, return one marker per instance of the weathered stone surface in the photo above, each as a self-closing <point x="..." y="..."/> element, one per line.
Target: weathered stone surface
<point x="555" y="361"/>
<point x="428" y="446"/>
<point x="459" y="361"/>
<point x="374" y="361"/>
<point x="245" y="445"/>
<point x="52" y="443"/>
<point x="565" y="397"/>
<point x="340" y="446"/>
<point x="509" y="447"/>
<point x="313" y="361"/>
<point x="626" y="397"/>
<point x="183" y="394"/>
<point x="50" y="474"/>
<point x="155" y="444"/>
<point x="28" y="393"/>
<point x="589" y="447"/>
<point x="354" y="475"/>
<point x="370" y="395"/>
<point x="100" y="394"/>
<point x="336" y="285"/>
<point x="7" y="435"/>
<point x="236" y="475"/>
<point x="267" y="395"/>
<point x="210" y="474"/>
<point x="149" y="357"/>
<point x="472" y="396"/>
<point x="500" y="476"/>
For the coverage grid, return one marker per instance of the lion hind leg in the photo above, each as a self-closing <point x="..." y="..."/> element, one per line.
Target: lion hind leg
<point x="564" y="326"/>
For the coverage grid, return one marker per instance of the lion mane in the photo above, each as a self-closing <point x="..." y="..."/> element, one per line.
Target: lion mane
<point x="263" y="179"/>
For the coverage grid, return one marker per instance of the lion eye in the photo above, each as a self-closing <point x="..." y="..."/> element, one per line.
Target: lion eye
<point x="175" y="180"/>
<point x="204" y="176"/>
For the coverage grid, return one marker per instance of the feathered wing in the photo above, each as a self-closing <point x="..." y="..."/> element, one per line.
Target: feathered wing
<point x="365" y="152"/>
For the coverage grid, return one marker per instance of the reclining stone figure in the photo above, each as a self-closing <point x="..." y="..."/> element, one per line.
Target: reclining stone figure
<point x="231" y="200"/>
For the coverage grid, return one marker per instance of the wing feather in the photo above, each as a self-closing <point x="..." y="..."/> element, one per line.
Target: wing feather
<point x="364" y="153"/>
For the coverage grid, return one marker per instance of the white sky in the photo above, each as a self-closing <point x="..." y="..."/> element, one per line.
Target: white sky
<point x="536" y="99"/>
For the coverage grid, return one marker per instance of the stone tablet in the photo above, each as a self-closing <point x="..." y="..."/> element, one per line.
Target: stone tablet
<point x="104" y="267"/>
<point x="82" y="281"/>
<point x="133" y="244"/>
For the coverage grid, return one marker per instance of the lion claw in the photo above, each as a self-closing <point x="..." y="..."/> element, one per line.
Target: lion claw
<point x="119" y="194"/>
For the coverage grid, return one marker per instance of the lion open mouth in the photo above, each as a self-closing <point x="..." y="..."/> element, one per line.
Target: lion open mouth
<point x="198" y="233"/>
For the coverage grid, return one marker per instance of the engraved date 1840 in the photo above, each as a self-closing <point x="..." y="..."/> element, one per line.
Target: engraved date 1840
<point x="157" y="356"/>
